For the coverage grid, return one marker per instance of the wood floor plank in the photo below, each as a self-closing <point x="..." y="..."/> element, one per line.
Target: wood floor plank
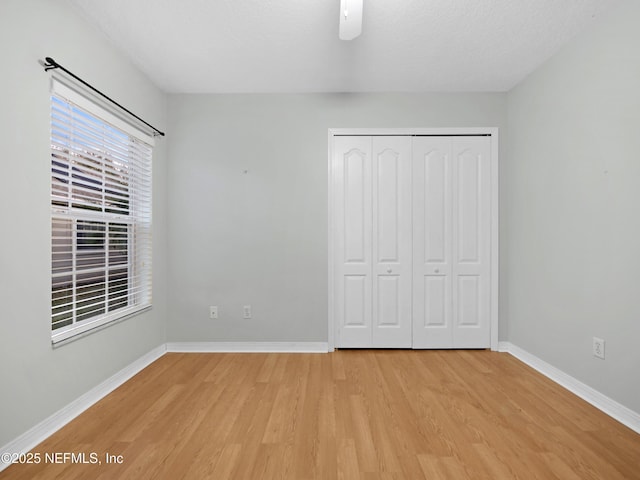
<point x="351" y="414"/>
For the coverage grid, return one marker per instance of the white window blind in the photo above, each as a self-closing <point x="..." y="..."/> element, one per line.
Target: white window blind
<point x="100" y="215"/>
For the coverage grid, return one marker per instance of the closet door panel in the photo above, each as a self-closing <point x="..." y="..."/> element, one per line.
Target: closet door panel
<point x="432" y="229"/>
<point x="437" y="303"/>
<point x="387" y="200"/>
<point x="388" y="302"/>
<point x="472" y="242"/>
<point x="352" y="187"/>
<point x="468" y="295"/>
<point x="355" y="301"/>
<point x="391" y="242"/>
<point x="355" y="206"/>
<point x="468" y="205"/>
<point x="436" y="205"/>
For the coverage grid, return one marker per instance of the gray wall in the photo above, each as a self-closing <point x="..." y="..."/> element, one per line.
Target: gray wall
<point x="38" y="380"/>
<point x="573" y="203"/>
<point x="260" y="237"/>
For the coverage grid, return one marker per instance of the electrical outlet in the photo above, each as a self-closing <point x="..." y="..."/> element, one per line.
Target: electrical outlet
<point x="598" y="347"/>
<point x="246" y="312"/>
<point x="213" y="312"/>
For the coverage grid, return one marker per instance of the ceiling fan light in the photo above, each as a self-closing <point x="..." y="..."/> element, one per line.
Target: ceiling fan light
<point x="350" y="19"/>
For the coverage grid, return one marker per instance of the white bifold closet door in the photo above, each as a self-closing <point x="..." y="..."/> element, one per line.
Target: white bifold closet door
<point x="372" y="185"/>
<point x="451" y="242"/>
<point x="412" y="241"/>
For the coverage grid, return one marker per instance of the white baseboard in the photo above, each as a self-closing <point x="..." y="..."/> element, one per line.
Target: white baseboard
<point x="28" y="440"/>
<point x="248" y="347"/>
<point x="612" y="408"/>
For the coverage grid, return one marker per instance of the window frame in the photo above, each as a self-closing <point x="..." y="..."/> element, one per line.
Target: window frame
<point x="133" y="220"/>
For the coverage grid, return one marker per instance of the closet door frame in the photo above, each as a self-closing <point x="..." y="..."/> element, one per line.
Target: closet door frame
<point x="332" y="329"/>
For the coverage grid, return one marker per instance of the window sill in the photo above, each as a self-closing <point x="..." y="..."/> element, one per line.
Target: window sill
<point x="68" y="334"/>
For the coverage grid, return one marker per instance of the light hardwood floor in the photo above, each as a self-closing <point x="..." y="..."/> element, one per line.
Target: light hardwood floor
<point x="353" y="415"/>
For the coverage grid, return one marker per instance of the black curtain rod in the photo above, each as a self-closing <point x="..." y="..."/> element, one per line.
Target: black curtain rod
<point x="51" y="64"/>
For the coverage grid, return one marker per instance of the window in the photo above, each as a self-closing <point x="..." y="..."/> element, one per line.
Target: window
<point x="100" y="215"/>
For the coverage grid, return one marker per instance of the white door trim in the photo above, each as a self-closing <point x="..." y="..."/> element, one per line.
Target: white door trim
<point x="493" y="132"/>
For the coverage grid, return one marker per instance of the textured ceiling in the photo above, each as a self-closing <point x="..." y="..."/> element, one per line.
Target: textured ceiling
<point x="197" y="46"/>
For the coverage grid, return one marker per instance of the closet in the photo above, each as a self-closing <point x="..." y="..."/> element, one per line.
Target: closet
<point x="411" y="227"/>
